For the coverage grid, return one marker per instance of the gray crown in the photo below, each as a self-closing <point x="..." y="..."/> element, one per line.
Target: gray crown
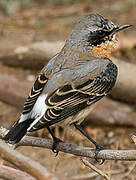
<point x="90" y="30"/>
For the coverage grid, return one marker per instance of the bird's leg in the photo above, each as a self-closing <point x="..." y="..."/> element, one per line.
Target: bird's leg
<point x="79" y="127"/>
<point x="98" y="147"/>
<point x="55" y="141"/>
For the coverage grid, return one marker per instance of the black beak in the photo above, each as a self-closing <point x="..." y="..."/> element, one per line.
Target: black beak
<point x="119" y="28"/>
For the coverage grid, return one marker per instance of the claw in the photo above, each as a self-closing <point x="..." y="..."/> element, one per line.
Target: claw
<point x="98" y="149"/>
<point x="102" y="161"/>
<point x="55" y="152"/>
<point x="54" y="146"/>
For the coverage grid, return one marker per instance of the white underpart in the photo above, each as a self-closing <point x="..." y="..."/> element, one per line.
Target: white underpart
<point x="37" y="112"/>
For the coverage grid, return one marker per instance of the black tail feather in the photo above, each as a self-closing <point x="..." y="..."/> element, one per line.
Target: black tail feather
<point x="17" y="131"/>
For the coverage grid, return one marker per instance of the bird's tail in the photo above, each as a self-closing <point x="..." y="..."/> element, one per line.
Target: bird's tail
<point x="17" y="131"/>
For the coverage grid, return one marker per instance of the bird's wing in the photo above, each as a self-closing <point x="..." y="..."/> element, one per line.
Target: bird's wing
<point x="34" y="93"/>
<point x="69" y="99"/>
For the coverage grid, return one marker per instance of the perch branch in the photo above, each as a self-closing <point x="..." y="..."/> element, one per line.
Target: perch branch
<point x="123" y="155"/>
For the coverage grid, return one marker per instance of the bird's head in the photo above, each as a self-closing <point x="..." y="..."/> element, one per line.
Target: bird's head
<point x="95" y="32"/>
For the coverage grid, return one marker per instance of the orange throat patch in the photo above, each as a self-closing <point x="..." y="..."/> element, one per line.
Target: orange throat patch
<point x="104" y="49"/>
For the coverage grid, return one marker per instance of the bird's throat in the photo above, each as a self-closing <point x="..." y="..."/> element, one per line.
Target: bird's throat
<point x="104" y="49"/>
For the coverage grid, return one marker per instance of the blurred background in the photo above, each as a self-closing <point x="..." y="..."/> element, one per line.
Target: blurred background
<point x="31" y="32"/>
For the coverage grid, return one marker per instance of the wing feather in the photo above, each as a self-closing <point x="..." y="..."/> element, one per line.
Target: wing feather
<point x="34" y="93"/>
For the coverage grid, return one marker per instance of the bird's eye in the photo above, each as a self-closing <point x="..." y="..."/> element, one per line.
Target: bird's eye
<point x="100" y="33"/>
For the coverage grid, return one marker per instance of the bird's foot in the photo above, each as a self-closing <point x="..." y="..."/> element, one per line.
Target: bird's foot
<point x="97" y="150"/>
<point x="55" y="143"/>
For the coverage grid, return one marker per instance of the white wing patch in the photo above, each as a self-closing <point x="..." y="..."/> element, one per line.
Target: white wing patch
<point x="37" y="112"/>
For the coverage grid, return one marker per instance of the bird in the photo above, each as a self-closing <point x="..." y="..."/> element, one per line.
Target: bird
<point x="72" y="82"/>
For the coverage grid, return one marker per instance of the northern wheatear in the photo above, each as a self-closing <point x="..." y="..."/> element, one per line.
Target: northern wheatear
<point x="73" y="80"/>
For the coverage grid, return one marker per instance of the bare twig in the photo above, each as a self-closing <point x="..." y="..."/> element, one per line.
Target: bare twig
<point x="123" y="155"/>
<point x="101" y="173"/>
<point x="128" y="155"/>
<point x="94" y="174"/>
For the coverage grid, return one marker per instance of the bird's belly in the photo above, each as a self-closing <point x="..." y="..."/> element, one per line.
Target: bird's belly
<point x="79" y="117"/>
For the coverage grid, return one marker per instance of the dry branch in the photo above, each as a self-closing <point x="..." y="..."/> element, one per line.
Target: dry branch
<point x="9" y="173"/>
<point x="24" y="163"/>
<point x="94" y="174"/>
<point x="123" y="155"/>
